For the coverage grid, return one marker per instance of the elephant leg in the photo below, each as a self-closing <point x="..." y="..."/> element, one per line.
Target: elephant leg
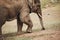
<point x="20" y="25"/>
<point x="41" y="21"/>
<point x="2" y="21"/>
<point x="1" y="24"/>
<point x="28" y="22"/>
<point x="25" y="18"/>
<point x="30" y="25"/>
<point x="1" y="37"/>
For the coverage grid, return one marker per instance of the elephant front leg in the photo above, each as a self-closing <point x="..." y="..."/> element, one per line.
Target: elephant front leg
<point x="2" y="22"/>
<point x="20" y="25"/>
<point x="25" y="18"/>
<point x="30" y="25"/>
<point x="28" y="22"/>
<point x="1" y="37"/>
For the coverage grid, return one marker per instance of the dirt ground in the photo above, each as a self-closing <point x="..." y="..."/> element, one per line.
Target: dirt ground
<point x="51" y="19"/>
<point x="44" y="35"/>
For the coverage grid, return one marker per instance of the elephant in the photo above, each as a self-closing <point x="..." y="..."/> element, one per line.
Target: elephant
<point x="35" y="7"/>
<point x="15" y="9"/>
<point x="20" y="10"/>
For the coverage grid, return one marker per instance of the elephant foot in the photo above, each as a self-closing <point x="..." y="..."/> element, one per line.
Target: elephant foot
<point x="29" y="31"/>
<point x="20" y="32"/>
<point x="43" y="29"/>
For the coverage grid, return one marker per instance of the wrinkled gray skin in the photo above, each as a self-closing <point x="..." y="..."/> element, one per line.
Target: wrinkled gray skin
<point x="15" y="9"/>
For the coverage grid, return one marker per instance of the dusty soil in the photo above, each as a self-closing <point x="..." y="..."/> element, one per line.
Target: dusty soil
<point x="37" y="35"/>
<point x="48" y="35"/>
<point x="44" y="35"/>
